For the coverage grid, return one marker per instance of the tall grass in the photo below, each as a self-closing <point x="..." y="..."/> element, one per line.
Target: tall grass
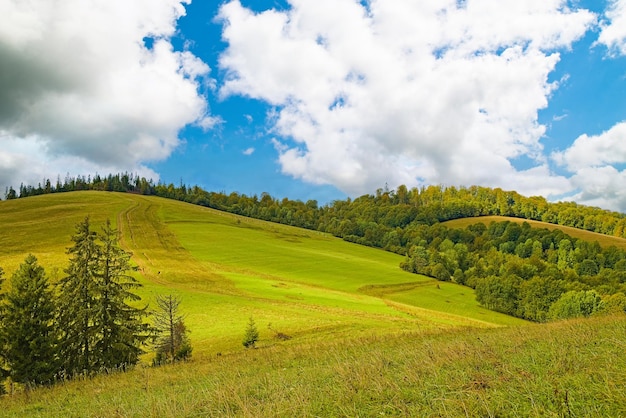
<point x="573" y="368"/>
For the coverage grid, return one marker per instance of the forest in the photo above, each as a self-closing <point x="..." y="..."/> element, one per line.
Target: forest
<point x="531" y="273"/>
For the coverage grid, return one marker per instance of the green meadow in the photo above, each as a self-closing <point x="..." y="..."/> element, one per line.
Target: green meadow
<point x="364" y="338"/>
<point x="227" y="268"/>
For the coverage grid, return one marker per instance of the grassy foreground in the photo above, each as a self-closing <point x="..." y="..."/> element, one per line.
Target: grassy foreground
<point x="567" y="369"/>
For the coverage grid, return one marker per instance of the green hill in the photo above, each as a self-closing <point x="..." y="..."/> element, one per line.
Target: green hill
<point x="227" y="268"/>
<point x="367" y="339"/>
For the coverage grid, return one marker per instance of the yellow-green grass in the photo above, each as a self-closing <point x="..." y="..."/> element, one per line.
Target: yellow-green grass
<point x="603" y="240"/>
<point x="566" y="369"/>
<point x="226" y="268"/>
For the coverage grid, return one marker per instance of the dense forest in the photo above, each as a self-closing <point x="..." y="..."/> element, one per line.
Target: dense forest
<point x="527" y="272"/>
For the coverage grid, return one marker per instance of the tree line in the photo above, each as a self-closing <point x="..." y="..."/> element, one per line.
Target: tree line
<point x="373" y="219"/>
<point x="88" y="322"/>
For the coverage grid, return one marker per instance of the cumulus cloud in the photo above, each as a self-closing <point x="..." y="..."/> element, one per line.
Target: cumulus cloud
<point x="593" y="160"/>
<point x="403" y="91"/>
<point x="613" y="33"/>
<point x="81" y="92"/>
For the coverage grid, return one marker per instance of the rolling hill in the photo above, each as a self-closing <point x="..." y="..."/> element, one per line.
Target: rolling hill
<point x="227" y="268"/>
<point x="367" y="339"/>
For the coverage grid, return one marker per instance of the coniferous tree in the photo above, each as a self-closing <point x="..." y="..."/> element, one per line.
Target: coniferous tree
<point x="78" y="303"/>
<point x="119" y="327"/>
<point x="252" y="334"/>
<point x="172" y="342"/>
<point x="101" y="330"/>
<point x="29" y="331"/>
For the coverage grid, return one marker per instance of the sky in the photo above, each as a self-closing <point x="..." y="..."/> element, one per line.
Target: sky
<point x="323" y="99"/>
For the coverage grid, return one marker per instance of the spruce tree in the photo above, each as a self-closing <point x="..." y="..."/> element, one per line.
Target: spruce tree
<point x="101" y="330"/>
<point x="172" y="342"/>
<point x="78" y="303"/>
<point x="29" y="332"/>
<point x="119" y="327"/>
<point x="252" y="335"/>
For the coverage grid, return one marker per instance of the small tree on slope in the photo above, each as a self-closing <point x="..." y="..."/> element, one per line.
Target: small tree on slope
<point x="172" y="343"/>
<point x="252" y="335"/>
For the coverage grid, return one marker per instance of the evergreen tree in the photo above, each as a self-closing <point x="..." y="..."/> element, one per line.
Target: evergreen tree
<point x="101" y="330"/>
<point x="78" y="301"/>
<point x="119" y="328"/>
<point x="252" y="334"/>
<point x="172" y="342"/>
<point x="29" y="331"/>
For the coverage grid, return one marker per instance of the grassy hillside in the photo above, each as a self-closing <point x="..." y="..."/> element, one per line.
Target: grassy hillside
<point x="567" y="369"/>
<point x="227" y="268"/>
<point x="603" y="240"/>
<point x="368" y="339"/>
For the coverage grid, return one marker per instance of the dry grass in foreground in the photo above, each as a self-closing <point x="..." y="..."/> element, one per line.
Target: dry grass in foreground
<point x="573" y="368"/>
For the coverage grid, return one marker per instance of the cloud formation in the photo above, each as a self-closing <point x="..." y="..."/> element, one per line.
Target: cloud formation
<point x="81" y="92"/>
<point x="593" y="160"/>
<point x="404" y="92"/>
<point x="613" y="33"/>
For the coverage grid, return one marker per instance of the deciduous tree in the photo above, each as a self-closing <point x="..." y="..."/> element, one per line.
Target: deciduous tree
<point x="172" y="341"/>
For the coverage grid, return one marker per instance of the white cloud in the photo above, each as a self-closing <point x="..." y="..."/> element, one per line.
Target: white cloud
<point x="401" y="91"/>
<point x="613" y="33"/>
<point x="592" y="159"/>
<point x="81" y="92"/>
<point x="248" y="151"/>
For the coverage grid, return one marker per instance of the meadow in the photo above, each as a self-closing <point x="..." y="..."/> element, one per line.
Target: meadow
<point x="227" y="268"/>
<point x="365" y="337"/>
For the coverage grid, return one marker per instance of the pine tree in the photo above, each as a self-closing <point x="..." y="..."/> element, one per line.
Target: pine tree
<point x="101" y="330"/>
<point x="119" y="327"/>
<point x="252" y="334"/>
<point x="172" y="342"/>
<point x="29" y="331"/>
<point x="78" y="301"/>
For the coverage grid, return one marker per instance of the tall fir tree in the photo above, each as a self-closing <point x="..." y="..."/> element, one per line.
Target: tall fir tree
<point x="77" y="300"/>
<point x="101" y="330"/>
<point x="119" y="326"/>
<point x="30" y="335"/>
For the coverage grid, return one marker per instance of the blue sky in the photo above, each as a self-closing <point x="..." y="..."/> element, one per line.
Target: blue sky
<point x="319" y="100"/>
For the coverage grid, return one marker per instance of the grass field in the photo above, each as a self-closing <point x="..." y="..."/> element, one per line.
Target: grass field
<point x="227" y="268"/>
<point x="567" y="369"/>
<point x="368" y="339"/>
<point x="603" y="240"/>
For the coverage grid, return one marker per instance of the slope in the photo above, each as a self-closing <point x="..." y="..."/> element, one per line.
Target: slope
<point x="227" y="268"/>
